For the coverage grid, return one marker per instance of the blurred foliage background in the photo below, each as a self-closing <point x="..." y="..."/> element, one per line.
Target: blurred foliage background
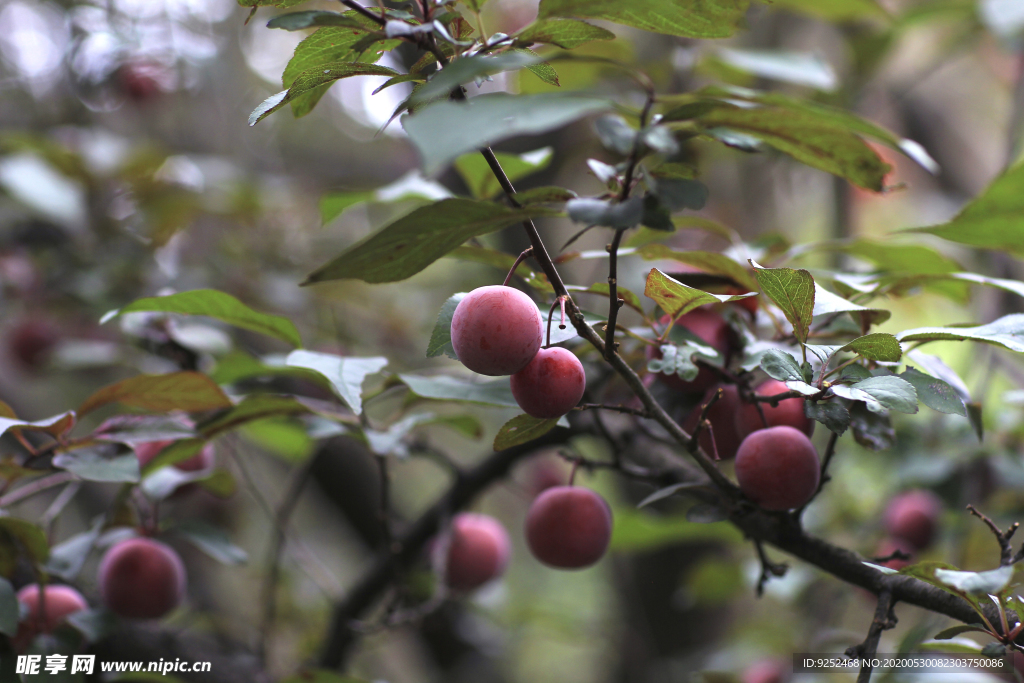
<point x="127" y="169"/>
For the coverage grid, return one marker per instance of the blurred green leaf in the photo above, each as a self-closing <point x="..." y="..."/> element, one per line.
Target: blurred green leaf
<point x="9" y="608"/>
<point x="871" y="430"/>
<point x="807" y="138"/>
<point x="801" y="68"/>
<point x="295" y="21"/>
<point x="250" y="408"/>
<point x="690" y="18"/>
<point x="792" y="291"/>
<point x="544" y="195"/>
<point x="1007" y="331"/>
<point x="283" y="4"/>
<point x="636" y="531"/>
<point x="565" y="33"/>
<point x="179" y="451"/>
<point x="346" y="375"/>
<point x="405" y="247"/>
<point x="446" y="130"/>
<point x="992" y="219"/>
<point x="212" y="540"/>
<point x="606" y="212"/>
<point x="835" y="10"/>
<point x="470" y="68"/>
<point x="321" y="675"/>
<point x="188" y="391"/>
<point x="282" y="437"/>
<point x="479" y="178"/>
<point x="827" y="303"/>
<point x="92" y="464"/>
<point x="444" y="388"/>
<point x="833" y="415"/>
<point x="31" y="536"/>
<point x="68" y="557"/>
<point x="441" y="336"/>
<point x="214" y="304"/>
<point x="56" y="425"/>
<point x="522" y="429"/>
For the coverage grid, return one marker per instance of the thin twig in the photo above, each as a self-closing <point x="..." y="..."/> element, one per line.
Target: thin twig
<point x="1006" y="556"/>
<point x="883" y="620"/>
<point x="59" y="503"/>
<point x="702" y="422"/>
<point x="614" y="302"/>
<point x="384" y="510"/>
<point x="365" y="12"/>
<point x="768" y="568"/>
<point x="273" y="561"/>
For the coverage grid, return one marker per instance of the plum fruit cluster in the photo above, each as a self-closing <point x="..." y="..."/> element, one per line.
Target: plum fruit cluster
<point x="497" y="330"/>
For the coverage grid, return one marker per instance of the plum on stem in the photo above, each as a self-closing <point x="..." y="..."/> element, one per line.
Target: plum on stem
<point x="551" y="384"/>
<point x="568" y="527"/>
<point x="496" y="330"/>
<point x="478" y="551"/>
<point x="141" y="579"/>
<point x="778" y="468"/>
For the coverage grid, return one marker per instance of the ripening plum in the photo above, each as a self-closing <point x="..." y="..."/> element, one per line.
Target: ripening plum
<point x="789" y="412"/>
<point x="59" y="603"/>
<point x="478" y="551"/>
<point x="203" y="460"/>
<point x="778" y="468"/>
<point x="721" y="415"/>
<point x="496" y="330"/>
<point x="568" y="527"/>
<point x="551" y="384"/>
<point x="913" y="516"/>
<point x="141" y="579"/>
<point x="766" y="671"/>
<point x="708" y="326"/>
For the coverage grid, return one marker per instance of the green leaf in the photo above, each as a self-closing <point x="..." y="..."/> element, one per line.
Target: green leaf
<point x="870" y="429"/>
<point x="252" y="407"/>
<point x="468" y="69"/>
<point x="834" y="416"/>
<point x="781" y="366"/>
<point x="212" y="540"/>
<point x="441" y="336"/>
<point x="565" y="33"/>
<point x="976" y="583"/>
<point x="544" y="71"/>
<point x="904" y="258"/>
<point x="792" y="291"/>
<point x="690" y="18"/>
<point x="935" y="393"/>
<point x="218" y="305"/>
<point x="68" y="558"/>
<point x="188" y="391"/>
<point x="179" y="451"/>
<point x="56" y="425"/>
<point x="479" y="177"/>
<point x="410" y="244"/>
<point x="707" y="261"/>
<point x="881" y="392"/>
<point x="346" y="375"/>
<point x="808" y="139"/>
<point x="334" y="204"/>
<point x="677" y="299"/>
<point x="876" y="346"/>
<point x="606" y="212"/>
<point x="522" y="429"/>
<point x="800" y="68"/>
<point x="544" y="195"/>
<point x="92" y="465"/>
<point x="284" y="438"/>
<point x="1007" y="331"/>
<point x="992" y="219"/>
<point x="954" y="631"/>
<point x="9" y="608"/>
<point x="827" y="303"/>
<point x="446" y="130"/>
<point x="316" y="77"/>
<point x="835" y="10"/>
<point x="636" y="530"/>
<point x="444" y="388"/>
<point x="295" y="21"/>
<point x="32" y="537"/>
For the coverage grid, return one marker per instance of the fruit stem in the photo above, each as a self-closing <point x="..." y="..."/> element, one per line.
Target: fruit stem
<point x="522" y="257"/>
<point x="560" y="301"/>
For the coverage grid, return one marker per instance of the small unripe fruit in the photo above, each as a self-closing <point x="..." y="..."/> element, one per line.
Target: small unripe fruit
<point x="496" y="330"/>
<point x="778" y="468"/>
<point x="765" y="671"/>
<point x="141" y="579"/>
<point x="551" y="384"/>
<point x="913" y="516"/>
<point x="568" y="527"/>
<point x="722" y="416"/>
<point x="478" y="551"/>
<point x="203" y="460"/>
<point x="789" y="412"/>
<point x="60" y="602"/>
<point x="714" y="331"/>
